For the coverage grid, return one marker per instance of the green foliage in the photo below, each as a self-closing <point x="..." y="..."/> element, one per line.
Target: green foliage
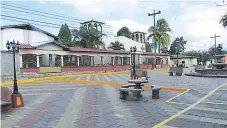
<point x="147" y="47"/>
<point x="116" y="46"/>
<point x="223" y="20"/>
<point x="164" y="50"/>
<point x="124" y="31"/>
<point x="65" y="35"/>
<point x="177" y="46"/>
<point x="86" y="38"/>
<point x="202" y="56"/>
<point x="160" y="34"/>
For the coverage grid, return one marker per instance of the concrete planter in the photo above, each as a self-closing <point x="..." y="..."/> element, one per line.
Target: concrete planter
<point x="197" y="67"/>
<point x="177" y="70"/>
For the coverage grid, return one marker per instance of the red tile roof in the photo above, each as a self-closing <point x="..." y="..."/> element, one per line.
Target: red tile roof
<point x="78" y="49"/>
<point x="25" y="46"/>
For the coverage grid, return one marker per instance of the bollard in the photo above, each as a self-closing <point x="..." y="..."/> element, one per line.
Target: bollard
<point x="155" y="93"/>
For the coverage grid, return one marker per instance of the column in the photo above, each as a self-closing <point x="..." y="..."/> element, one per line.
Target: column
<point x="37" y="60"/>
<point x="62" y="62"/>
<point x="122" y="60"/>
<point x="130" y="60"/>
<point x="78" y="61"/>
<point x="113" y="59"/>
<point x="21" y="61"/>
<point x="101" y="60"/>
<point x="93" y="60"/>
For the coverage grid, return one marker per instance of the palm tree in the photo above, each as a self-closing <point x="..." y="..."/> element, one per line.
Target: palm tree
<point x="160" y="34"/>
<point x="223" y="20"/>
<point x="116" y="46"/>
<point x="87" y="38"/>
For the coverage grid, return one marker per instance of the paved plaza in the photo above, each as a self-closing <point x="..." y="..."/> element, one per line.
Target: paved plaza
<point x="53" y="104"/>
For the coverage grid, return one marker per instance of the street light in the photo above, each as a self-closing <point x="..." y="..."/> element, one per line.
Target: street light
<point x="177" y="55"/>
<point x="133" y="56"/>
<point x="17" y="100"/>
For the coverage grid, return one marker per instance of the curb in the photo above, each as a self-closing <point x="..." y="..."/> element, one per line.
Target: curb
<point x="209" y="76"/>
<point x="47" y="78"/>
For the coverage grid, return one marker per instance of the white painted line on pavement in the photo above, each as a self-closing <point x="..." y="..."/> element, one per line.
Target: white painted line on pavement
<point x="210" y="109"/>
<point x="165" y="126"/>
<point x="188" y="108"/>
<point x="72" y="112"/>
<point x="203" y="119"/>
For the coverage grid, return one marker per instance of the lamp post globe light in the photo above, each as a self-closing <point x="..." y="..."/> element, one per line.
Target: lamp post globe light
<point x="17" y="100"/>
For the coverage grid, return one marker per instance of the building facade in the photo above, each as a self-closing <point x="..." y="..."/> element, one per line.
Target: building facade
<point x="42" y="52"/>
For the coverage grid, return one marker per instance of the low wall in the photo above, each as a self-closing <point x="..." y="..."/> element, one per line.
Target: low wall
<point x="212" y="71"/>
<point x="86" y="68"/>
<point x="197" y="67"/>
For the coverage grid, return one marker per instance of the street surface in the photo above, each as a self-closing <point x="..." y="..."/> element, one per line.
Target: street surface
<point x="72" y="105"/>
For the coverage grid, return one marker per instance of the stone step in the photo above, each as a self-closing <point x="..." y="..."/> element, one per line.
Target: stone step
<point x="6" y="106"/>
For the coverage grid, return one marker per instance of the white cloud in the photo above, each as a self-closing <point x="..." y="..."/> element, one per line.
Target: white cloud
<point x="197" y="24"/>
<point x="132" y="25"/>
<point x="193" y="19"/>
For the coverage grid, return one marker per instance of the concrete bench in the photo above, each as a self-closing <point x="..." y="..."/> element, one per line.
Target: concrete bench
<point x="6" y="101"/>
<point x="177" y="70"/>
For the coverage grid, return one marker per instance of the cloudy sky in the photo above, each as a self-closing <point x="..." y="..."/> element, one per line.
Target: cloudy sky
<point x="195" y="20"/>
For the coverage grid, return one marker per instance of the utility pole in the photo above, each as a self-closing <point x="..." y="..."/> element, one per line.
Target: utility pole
<point x="154" y="14"/>
<point x="215" y="45"/>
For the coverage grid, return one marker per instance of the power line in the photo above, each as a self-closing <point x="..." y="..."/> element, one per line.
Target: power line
<point x="40" y="15"/>
<point x="44" y="24"/>
<point x="50" y="15"/>
<point x="33" y="20"/>
<point x="41" y="12"/>
<point x="27" y="22"/>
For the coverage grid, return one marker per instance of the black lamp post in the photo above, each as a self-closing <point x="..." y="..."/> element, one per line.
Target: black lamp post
<point x="13" y="46"/>
<point x="17" y="100"/>
<point x="177" y="55"/>
<point x="133" y="55"/>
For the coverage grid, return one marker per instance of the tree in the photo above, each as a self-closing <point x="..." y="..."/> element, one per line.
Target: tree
<point x="164" y="50"/>
<point x="87" y="38"/>
<point x="147" y="47"/>
<point x="116" y="46"/>
<point x="160" y="34"/>
<point x="223" y="20"/>
<point x="124" y="31"/>
<point x="65" y="35"/>
<point x="177" y="46"/>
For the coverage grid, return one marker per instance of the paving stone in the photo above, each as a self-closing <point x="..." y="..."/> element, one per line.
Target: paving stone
<point x="101" y="107"/>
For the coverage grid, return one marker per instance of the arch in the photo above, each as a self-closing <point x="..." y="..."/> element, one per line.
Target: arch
<point x="96" y="26"/>
<point x="137" y="37"/>
<point x="141" y="38"/>
<point x="85" y="26"/>
<point x="133" y="36"/>
<point x="89" y="25"/>
<point x="100" y="30"/>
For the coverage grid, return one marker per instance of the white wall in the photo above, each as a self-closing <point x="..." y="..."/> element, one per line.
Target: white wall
<point x="11" y="34"/>
<point x="124" y="40"/>
<point x="49" y="47"/>
<point x="39" y="37"/>
<point x="188" y="62"/>
<point x="23" y="36"/>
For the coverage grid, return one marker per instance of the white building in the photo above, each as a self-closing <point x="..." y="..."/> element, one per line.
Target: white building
<point x="188" y="61"/>
<point x="128" y="43"/>
<point x="42" y="52"/>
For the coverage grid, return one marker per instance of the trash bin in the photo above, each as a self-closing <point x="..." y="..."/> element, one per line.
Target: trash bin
<point x="155" y="93"/>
